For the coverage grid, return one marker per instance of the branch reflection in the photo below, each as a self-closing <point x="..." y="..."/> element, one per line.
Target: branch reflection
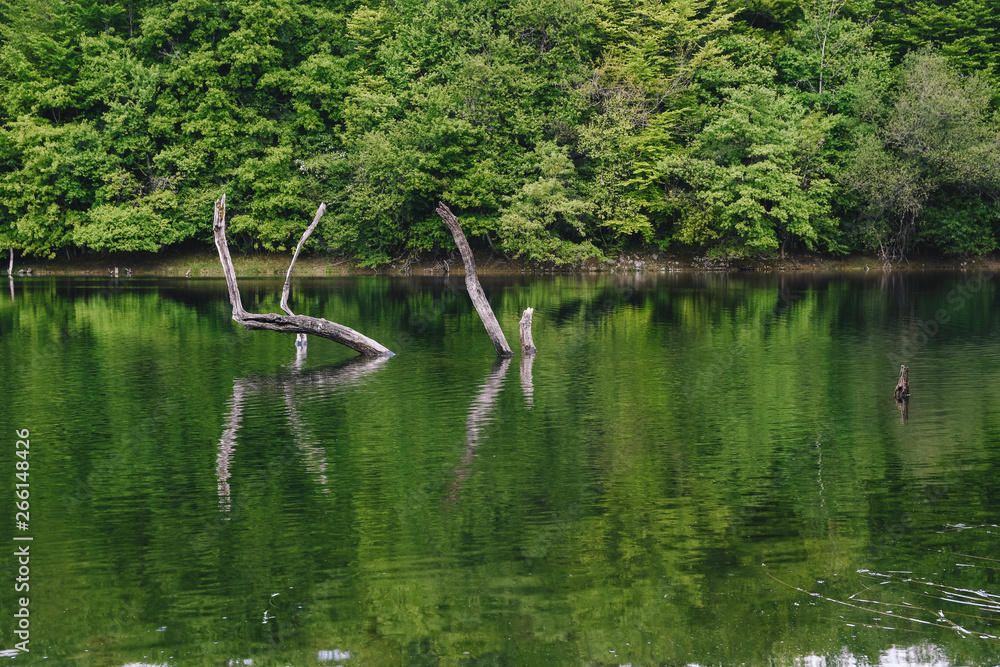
<point x="479" y="416"/>
<point x="291" y="383"/>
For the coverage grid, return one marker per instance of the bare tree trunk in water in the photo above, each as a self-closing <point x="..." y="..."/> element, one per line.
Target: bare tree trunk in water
<point x="528" y="351"/>
<point x="297" y="324"/>
<point x="10" y="265"/>
<point x="472" y="284"/>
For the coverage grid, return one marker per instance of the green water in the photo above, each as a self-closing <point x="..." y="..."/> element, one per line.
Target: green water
<point x="695" y="469"/>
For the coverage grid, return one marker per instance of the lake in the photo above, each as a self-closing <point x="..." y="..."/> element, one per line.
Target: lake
<point x="695" y="469"/>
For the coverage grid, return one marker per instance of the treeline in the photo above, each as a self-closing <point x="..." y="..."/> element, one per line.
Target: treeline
<point x="557" y="129"/>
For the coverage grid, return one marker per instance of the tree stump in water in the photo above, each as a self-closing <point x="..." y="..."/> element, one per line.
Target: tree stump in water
<point x="903" y="386"/>
<point x="527" y="356"/>
<point x="527" y="345"/>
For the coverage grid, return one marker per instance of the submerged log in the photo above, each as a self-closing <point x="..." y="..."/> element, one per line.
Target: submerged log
<point x="472" y="284"/>
<point x="903" y="385"/>
<point x="296" y="324"/>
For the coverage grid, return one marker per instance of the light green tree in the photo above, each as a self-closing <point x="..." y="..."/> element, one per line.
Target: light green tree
<point x="547" y="218"/>
<point x="749" y="183"/>
<point x="652" y="52"/>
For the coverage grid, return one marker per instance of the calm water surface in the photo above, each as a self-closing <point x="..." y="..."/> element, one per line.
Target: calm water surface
<point x="694" y="470"/>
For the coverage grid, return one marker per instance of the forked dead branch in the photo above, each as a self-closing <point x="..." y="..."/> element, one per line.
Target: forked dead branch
<point x="290" y="323"/>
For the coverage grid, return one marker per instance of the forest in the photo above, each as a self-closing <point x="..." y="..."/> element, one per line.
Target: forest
<point x="558" y="130"/>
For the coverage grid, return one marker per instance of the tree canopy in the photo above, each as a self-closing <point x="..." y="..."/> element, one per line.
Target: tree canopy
<point x="557" y="129"/>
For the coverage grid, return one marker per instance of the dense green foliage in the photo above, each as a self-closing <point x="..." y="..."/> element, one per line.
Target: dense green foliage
<point x="557" y="129"/>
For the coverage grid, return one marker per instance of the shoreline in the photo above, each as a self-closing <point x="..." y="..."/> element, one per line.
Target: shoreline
<point x="205" y="264"/>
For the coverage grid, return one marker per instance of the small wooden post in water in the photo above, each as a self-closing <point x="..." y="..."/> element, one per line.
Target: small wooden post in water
<point x="903" y="386"/>
<point x="527" y="345"/>
<point x="472" y="284"/>
<point x="528" y="351"/>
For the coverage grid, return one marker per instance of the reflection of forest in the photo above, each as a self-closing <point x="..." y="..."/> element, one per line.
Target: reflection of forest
<point x="627" y="510"/>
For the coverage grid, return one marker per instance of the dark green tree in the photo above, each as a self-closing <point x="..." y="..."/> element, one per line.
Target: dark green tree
<point x="930" y="172"/>
<point x="966" y="32"/>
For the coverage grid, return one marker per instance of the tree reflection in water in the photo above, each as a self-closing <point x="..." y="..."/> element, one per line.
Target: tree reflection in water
<point x="289" y="382"/>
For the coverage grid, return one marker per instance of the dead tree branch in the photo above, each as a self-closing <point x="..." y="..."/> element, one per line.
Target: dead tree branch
<point x="291" y="267"/>
<point x="472" y="284"/>
<point x="301" y="340"/>
<point x="296" y="324"/>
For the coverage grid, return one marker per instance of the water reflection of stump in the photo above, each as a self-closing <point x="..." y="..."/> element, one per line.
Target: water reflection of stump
<point x="527" y="384"/>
